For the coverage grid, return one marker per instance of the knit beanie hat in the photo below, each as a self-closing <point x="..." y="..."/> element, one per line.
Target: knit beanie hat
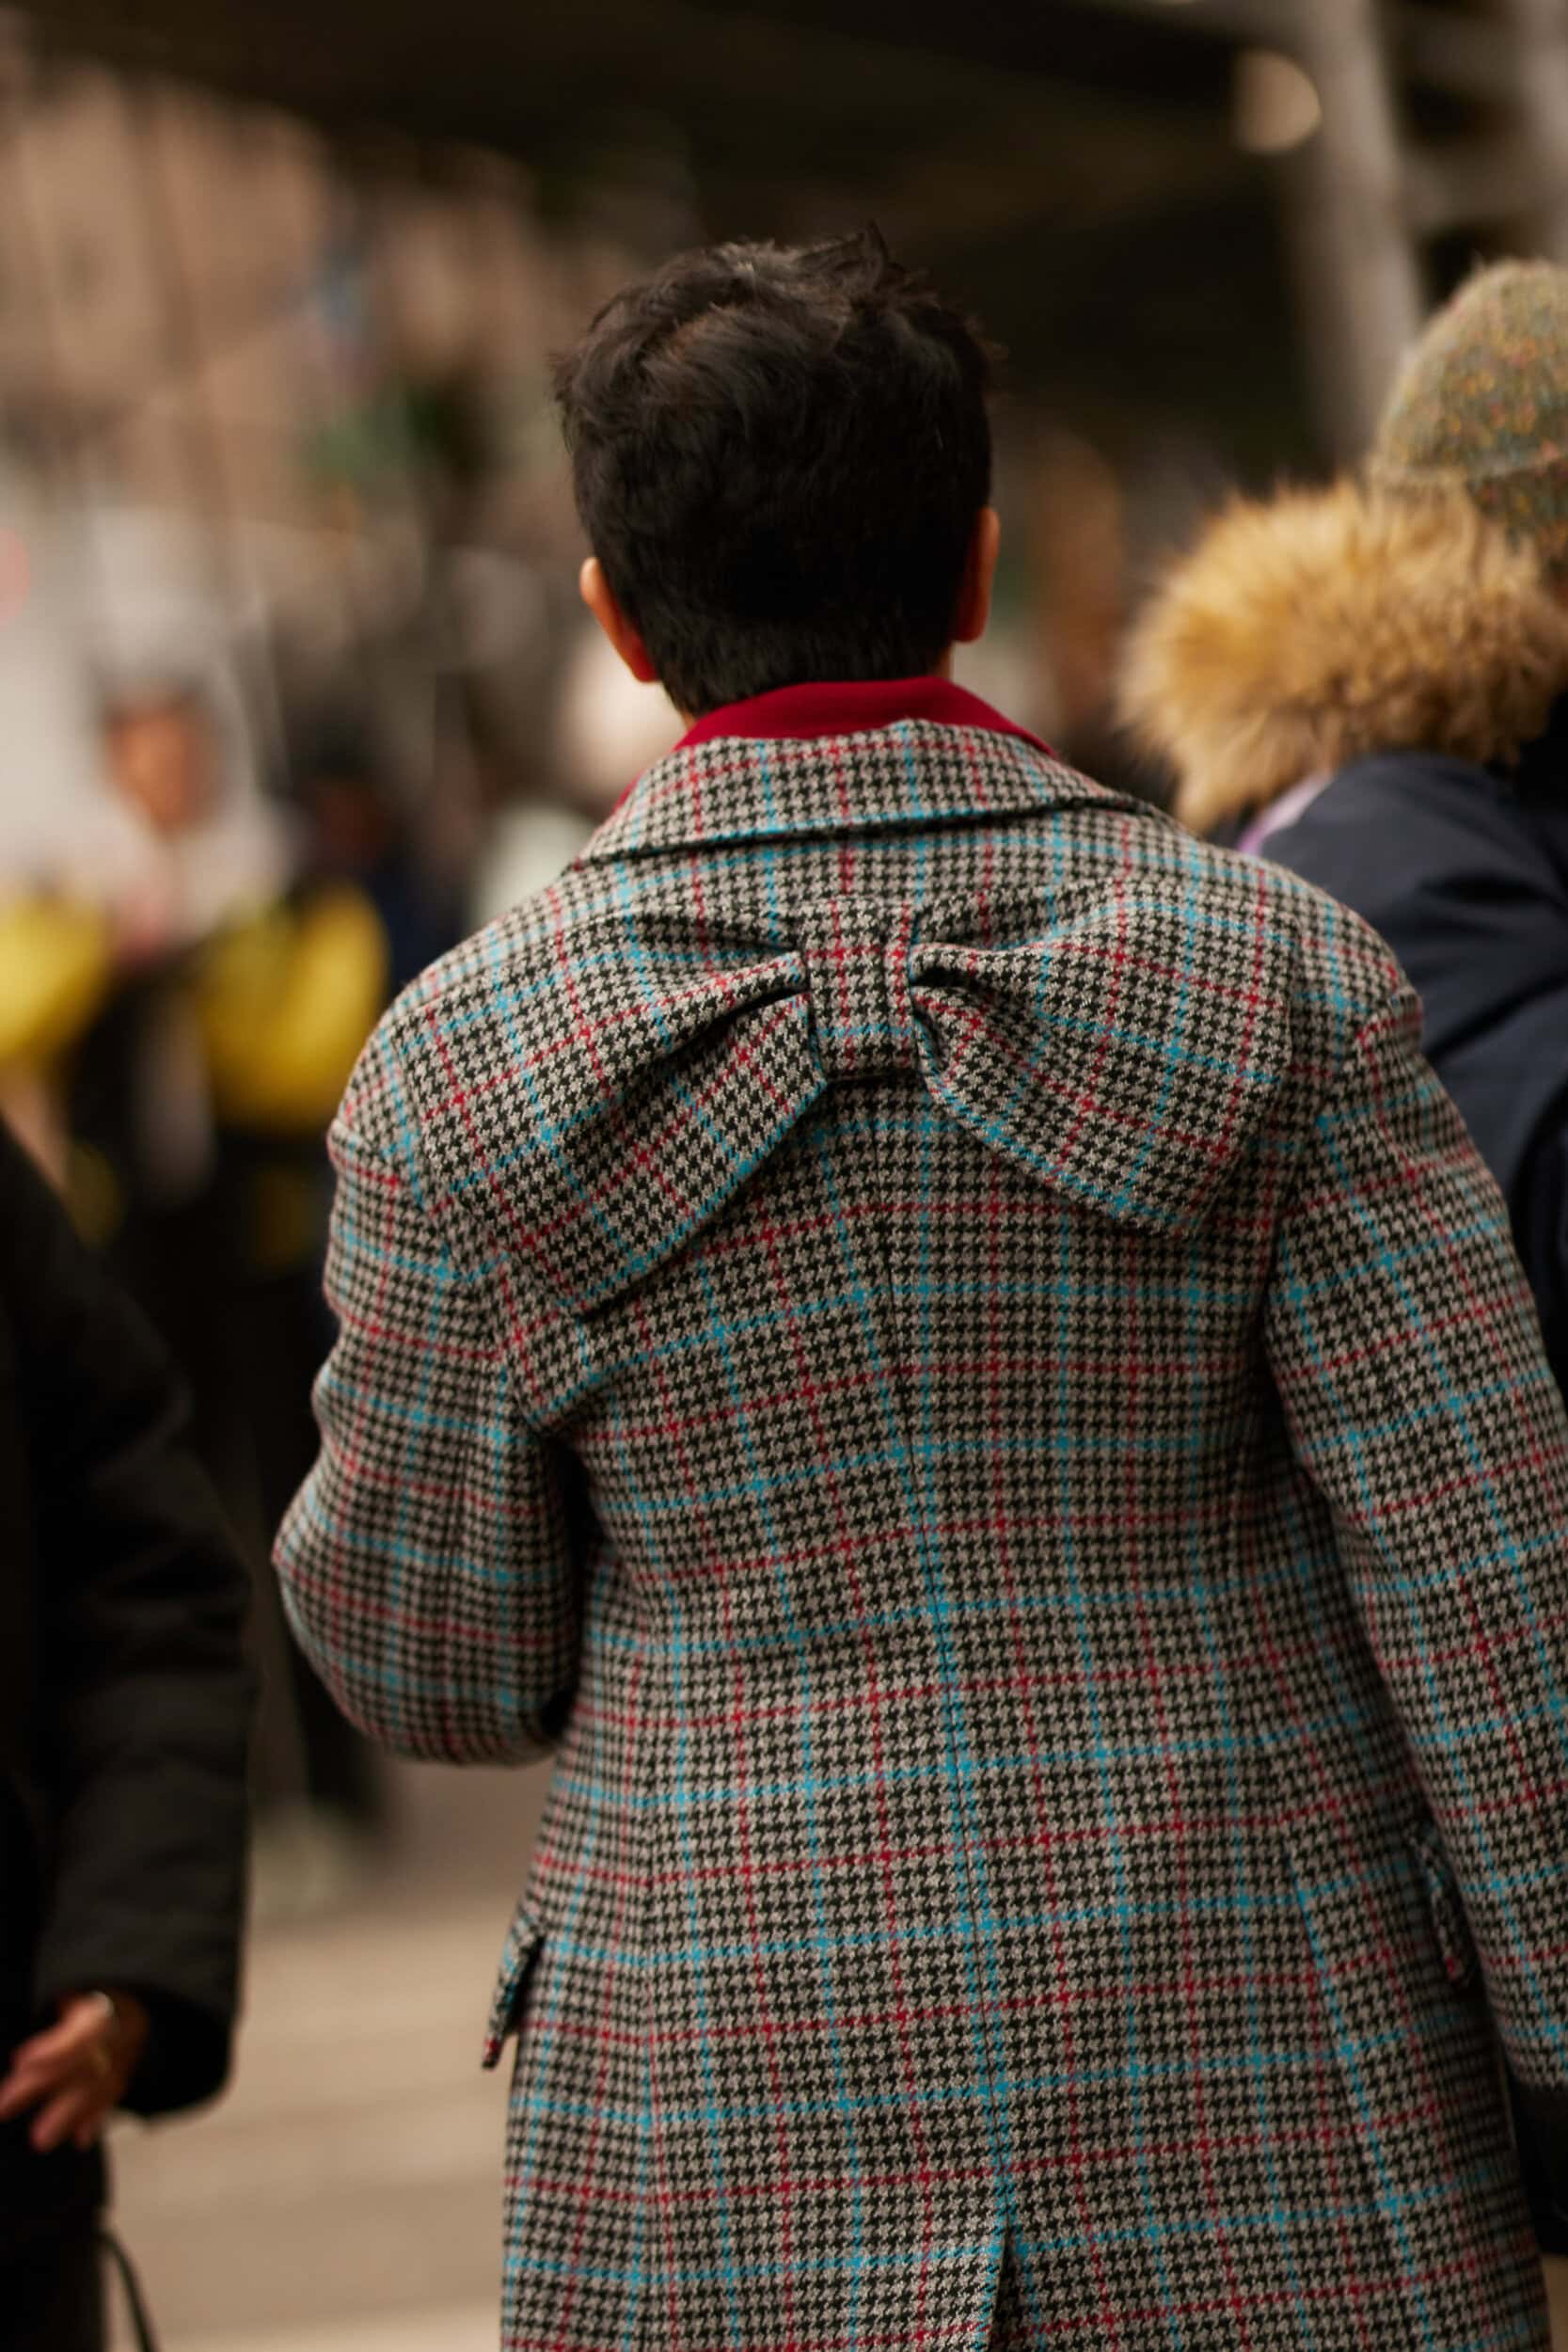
<point x="1481" y="404"/>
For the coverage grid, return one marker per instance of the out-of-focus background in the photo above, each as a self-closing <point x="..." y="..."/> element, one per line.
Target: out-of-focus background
<point x="294" y="690"/>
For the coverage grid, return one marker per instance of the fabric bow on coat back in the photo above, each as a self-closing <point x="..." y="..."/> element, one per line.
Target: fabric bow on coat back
<point x="1119" y="1048"/>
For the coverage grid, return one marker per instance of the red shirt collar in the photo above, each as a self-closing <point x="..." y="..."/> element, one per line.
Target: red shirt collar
<point x="852" y="707"/>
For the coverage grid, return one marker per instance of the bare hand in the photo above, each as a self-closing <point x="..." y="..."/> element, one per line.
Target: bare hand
<point x="77" y="2072"/>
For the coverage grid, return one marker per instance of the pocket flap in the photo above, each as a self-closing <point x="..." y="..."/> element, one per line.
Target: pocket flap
<point x="1449" y="1925"/>
<point x="524" y="1940"/>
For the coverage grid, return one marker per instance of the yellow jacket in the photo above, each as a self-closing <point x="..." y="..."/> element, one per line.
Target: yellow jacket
<point x="285" y="1002"/>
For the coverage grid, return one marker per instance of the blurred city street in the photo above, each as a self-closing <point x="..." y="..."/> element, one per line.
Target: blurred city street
<point x="345" y="2196"/>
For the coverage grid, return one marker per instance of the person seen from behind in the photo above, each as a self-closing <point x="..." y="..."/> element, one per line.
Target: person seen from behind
<point x="1369" y="684"/>
<point x="935" y="1340"/>
<point x="123" y="1719"/>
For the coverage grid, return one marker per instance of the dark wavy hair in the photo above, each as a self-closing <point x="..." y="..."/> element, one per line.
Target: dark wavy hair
<point x="779" y="454"/>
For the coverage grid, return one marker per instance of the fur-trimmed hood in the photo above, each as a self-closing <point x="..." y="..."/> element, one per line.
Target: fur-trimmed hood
<point x="1319" y="626"/>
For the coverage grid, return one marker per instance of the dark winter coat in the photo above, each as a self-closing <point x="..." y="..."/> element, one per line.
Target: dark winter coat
<point x="125" y="1693"/>
<point x="937" y="1338"/>
<point x="1464" y="871"/>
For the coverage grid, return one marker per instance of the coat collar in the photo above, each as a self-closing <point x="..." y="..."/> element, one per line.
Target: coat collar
<point x="853" y="707"/>
<point x="864" y="757"/>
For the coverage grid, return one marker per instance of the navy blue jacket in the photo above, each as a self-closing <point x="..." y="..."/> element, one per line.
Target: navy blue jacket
<point x="1464" y="871"/>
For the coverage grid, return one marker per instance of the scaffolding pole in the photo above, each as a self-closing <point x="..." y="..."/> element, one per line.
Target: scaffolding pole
<point x="1539" y="37"/>
<point x="1356" y="256"/>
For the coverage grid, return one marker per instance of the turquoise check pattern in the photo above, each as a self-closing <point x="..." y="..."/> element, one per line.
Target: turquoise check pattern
<point x="937" y="1342"/>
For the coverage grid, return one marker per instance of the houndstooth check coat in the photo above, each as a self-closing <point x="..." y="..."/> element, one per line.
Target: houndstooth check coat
<point x="937" y="1340"/>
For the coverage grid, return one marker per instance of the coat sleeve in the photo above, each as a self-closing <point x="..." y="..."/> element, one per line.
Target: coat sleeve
<point x="1408" y="1358"/>
<point x="431" y="1562"/>
<point x="146" y="1692"/>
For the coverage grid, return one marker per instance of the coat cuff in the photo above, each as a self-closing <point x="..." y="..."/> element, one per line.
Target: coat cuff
<point x="1541" y="2136"/>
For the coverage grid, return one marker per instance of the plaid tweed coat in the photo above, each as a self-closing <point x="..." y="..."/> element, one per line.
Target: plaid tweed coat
<point x="937" y="1339"/>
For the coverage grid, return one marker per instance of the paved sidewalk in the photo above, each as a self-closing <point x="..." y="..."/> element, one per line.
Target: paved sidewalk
<point x="470" y="2330"/>
<point x="346" y="2195"/>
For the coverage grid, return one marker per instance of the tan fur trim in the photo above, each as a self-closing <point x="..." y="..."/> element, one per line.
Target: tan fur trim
<point x="1327" y="625"/>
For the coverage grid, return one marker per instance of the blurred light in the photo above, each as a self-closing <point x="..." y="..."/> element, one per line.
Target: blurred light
<point x="608" y="727"/>
<point x="1277" y="106"/>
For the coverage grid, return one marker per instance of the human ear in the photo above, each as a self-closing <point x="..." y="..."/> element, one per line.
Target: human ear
<point x="980" y="572"/>
<point x="600" y="598"/>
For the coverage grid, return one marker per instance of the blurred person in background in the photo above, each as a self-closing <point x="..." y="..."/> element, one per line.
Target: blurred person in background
<point x="180" y="854"/>
<point x="936" y="1338"/>
<point x="1369" y="684"/>
<point x="198" y="977"/>
<point x="285" y="1002"/>
<point x="354" y="835"/>
<point x="123" y="1725"/>
<point x="205" y="1089"/>
<point x="99" y="909"/>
